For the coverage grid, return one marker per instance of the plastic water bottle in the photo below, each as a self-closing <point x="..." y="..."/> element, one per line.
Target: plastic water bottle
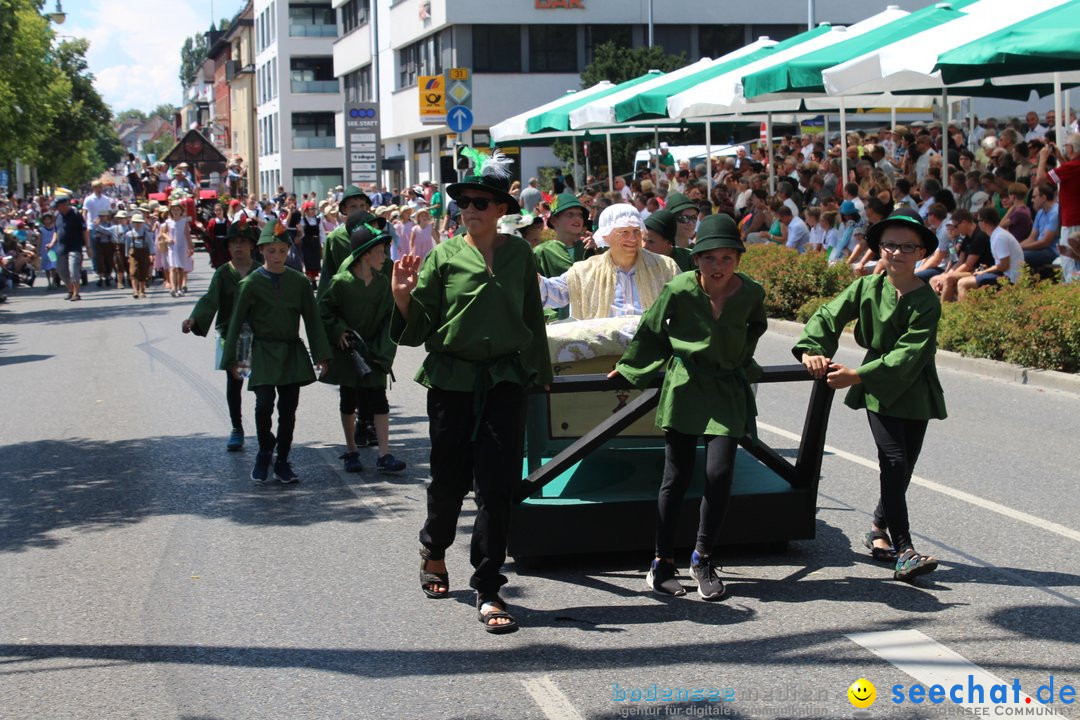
<point x="243" y="350"/>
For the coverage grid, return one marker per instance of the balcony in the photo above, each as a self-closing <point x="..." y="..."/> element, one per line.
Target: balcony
<point x="314" y="143"/>
<point x="312" y="30"/>
<point x="314" y="86"/>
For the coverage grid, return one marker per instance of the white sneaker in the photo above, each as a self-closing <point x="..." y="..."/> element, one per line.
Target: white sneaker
<point x="710" y="586"/>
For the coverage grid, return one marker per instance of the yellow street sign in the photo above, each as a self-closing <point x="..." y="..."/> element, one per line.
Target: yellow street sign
<point x="432" y="94"/>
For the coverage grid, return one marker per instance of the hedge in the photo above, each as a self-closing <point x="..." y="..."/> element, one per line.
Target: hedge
<point x="791" y="279"/>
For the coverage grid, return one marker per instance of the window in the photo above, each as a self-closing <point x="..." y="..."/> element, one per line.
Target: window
<point x="597" y="35"/>
<point x="313" y="130"/>
<point x="674" y="39"/>
<point x="718" y="40"/>
<point x="313" y="75"/>
<point x="316" y="180"/>
<point x="424" y="57"/>
<point x="358" y="85"/>
<point x="553" y="48"/>
<point x="496" y="48"/>
<point x="354" y="14"/>
<point x="312" y="21"/>
<point x="273" y="77"/>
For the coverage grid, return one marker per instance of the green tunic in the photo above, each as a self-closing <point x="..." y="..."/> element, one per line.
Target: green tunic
<point x="218" y="300"/>
<point x="552" y="260"/>
<point x="274" y="307"/>
<point x="349" y="304"/>
<point x="898" y="375"/>
<point x="709" y="361"/>
<point x="336" y="248"/>
<point x="683" y="258"/>
<point x="479" y="329"/>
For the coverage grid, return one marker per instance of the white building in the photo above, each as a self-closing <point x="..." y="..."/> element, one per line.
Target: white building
<point x="299" y="100"/>
<point x="523" y="53"/>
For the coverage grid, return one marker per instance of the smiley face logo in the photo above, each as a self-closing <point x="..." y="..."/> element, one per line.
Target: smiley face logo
<point x="862" y="693"/>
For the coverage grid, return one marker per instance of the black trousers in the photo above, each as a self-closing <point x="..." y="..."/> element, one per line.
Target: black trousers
<point x="490" y="465"/>
<point x="288" y="397"/>
<point x="233" y="391"/>
<point x="899" y="443"/>
<point x="679" y="459"/>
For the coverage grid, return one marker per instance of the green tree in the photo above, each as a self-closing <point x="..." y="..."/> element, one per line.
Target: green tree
<point x="165" y="111"/>
<point x="160" y="147"/>
<point x="617" y="64"/>
<point x="132" y="114"/>
<point x="192" y="56"/>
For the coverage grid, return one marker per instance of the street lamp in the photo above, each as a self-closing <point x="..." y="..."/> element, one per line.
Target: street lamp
<point x="58" y="16"/>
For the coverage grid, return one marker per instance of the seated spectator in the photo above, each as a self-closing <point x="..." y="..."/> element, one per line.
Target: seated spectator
<point x="1017" y="218"/>
<point x="817" y="235"/>
<point x="1008" y="257"/>
<point x="793" y="230"/>
<point x="903" y="194"/>
<point x="1041" y="245"/>
<point x="973" y="254"/>
<point x="937" y="262"/>
<point x="831" y="237"/>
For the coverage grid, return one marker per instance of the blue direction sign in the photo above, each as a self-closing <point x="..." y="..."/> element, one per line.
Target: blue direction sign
<point x="459" y="119"/>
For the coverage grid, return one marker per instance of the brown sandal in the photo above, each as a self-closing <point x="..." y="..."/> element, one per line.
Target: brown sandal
<point x="429" y="579"/>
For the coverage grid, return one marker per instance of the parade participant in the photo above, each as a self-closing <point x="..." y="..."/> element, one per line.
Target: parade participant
<point x="217" y="235"/>
<point x="161" y="247"/>
<point x="101" y="238"/>
<point x="138" y="242"/>
<point x="528" y="227"/>
<point x="270" y="302"/>
<point x="181" y="250"/>
<point x="567" y="219"/>
<point x="336" y="247"/>
<point x="403" y="226"/>
<point x="897" y="383"/>
<point x="625" y="280"/>
<point x="422" y="240"/>
<point x="311" y="239"/>
<point x="218" y="302"/>
<point x="661" y="230"/>
<point x="72" y="235"/>
<point x="120" y="257"/>
<point x="476" y="307"/>
<point x="46" y="233"/>
<point x="355" y="309"/>
<point x="703" y="329"/>
<point x="686" y="214"/>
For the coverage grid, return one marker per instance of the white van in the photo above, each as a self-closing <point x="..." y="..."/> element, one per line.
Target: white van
<point x="695" y="154"/>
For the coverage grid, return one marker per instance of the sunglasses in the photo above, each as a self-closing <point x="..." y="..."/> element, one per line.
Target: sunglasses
<point x="686" y="218"/>
<point x="905" y="248"/>
<point x="479" y="203"/>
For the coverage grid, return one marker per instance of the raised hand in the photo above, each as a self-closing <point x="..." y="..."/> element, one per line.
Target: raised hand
<point x="405" y="274"/>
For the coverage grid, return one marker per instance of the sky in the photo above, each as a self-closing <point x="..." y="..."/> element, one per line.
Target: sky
<point x="135" y="44"/>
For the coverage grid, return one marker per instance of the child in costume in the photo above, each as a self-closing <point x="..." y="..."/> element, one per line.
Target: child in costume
<point x="703" y="329"/>
<point x="271" y="301"/>
<point x="218" y="301"/>
<point x="138" y="244"/>
<point x="355" y="309"/>
<point x="475" y="305"/>
<point x="897" y="383"/>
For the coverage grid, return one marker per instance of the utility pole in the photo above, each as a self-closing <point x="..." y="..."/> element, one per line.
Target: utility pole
<point x="651" y="22"/>
<point x="810" y="15"/>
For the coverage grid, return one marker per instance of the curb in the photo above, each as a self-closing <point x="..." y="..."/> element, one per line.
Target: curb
<point x="995" y="369"/>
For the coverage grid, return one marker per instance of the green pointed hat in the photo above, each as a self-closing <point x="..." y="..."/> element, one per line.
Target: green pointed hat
<point x="663" y="222"/>
<point x="273" y="232"/>
<point x="715" y="232"/>
<point x="677" y="201"/>
<point x="565" y="201"/>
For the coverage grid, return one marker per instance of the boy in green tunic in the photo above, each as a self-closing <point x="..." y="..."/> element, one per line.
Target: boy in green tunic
<point x="475" y="305"/>
<point x="553" y="258"/>
<point x="336" y="248"/>
<point x="661" y="230"/>
<point x="218" y="301"/>
<point x="897" y="383"/>
<point x="703" y="329"/>
<point x="271" y="301"/>
<point x="357" y="304"/>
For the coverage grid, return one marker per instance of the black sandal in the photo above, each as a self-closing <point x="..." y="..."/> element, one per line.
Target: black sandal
<point x="911" y="564"/>
<point x="494" y="603"/>
<point x="429" y="579"/>
<point x="880" y="554"/>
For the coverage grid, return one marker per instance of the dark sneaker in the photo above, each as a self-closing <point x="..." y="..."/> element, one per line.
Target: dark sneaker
<point x="365" y="435"/>
<point x="710" y="586"/>
<point x="352" y="462"/>
<point x="261" y="473"/>
<point x="661" y="579"/>
<point x="389" y="463"/>
<point x="236" y="440"/>
<point x="284" y="473"/>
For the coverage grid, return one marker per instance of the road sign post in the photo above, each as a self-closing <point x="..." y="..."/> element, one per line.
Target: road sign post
<point x="363" y="151"/>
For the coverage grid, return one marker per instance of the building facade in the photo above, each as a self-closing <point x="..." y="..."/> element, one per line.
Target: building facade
<point x="240" y="77"/>
<point x="299" y="102"/>
<point x="523" y="53"/>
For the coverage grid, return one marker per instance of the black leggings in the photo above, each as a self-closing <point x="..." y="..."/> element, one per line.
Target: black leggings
<point x="899" y="442"/>
<point x="679" y="460"/>
<point x="234" y="388"/>
<point x="288" y="397"/>
<point x="368" y="401"/>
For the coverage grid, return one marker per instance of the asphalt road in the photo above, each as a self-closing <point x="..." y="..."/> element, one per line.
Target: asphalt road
<point x="143" y="576"/>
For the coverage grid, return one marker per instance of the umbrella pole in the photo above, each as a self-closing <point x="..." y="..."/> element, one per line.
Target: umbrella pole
<point x="843" y="145"/>
<point x="610" y="168"/>
<point x="573" y="141"/>
<point x="1059" y="134"/>
<point x="708" y="159"/>
<point x="656" y="157"/>
<point x="945" y="119"/>
<point x="892" y="116"/>
<point x="768" y="154"/>
<point x="971" y="123"/>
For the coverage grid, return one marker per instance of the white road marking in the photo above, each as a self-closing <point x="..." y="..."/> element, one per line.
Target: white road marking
<point x="551" y="700"/>
<point x="931" y="663"/>
<point x="983" y="503"/>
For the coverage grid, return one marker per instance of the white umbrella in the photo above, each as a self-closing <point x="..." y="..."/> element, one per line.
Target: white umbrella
<point x="516" y="127"/>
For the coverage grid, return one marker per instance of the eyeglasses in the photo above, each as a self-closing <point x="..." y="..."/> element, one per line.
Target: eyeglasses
<point x="686" y="218"/>
<point x="479" y="203"/>
<point x="905" y="248"/>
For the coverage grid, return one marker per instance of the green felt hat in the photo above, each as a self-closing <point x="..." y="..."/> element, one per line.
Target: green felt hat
<point x="364" y="238"/>
<point x="490" y="174"/>
<point x="351" y="192"/>
<point x="906" y="218"/>
<point x="663" y="222"/>
<point x="678" y="201"/>
<point x="566" y="201"/>
<point x="273" y="232"/>
<point x="243" y="228"/>
<point x="715" y="232"/>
